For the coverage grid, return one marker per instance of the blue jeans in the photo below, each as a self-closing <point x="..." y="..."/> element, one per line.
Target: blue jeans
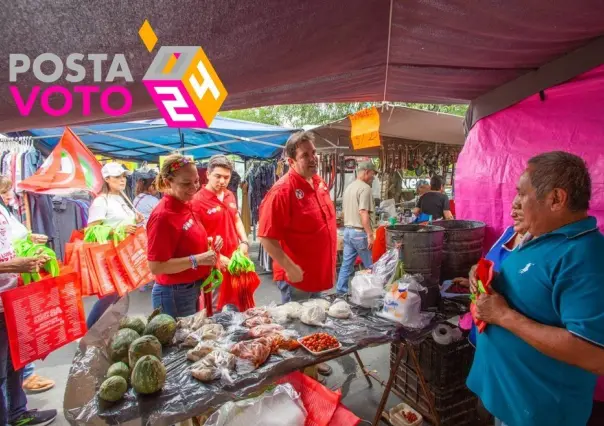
<point x="292" y="294"/>
<point x="99" y="309"/>
<point x="179" y="300"/>
<point x="11" y="382"/>
<point x="355" y="244"/>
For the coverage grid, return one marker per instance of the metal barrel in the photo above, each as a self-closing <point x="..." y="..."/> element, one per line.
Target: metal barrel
<point x="463" y="246"/>
<point x="421" y="252"/>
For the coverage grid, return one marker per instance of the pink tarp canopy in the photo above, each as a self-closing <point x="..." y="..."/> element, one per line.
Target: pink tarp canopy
<point x="569" y="118"/>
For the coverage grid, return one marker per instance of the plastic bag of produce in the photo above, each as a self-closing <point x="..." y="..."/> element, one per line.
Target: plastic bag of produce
<point x="384" y="268"/>
<point x="366" y="291"/>
<point x="280" y="406"/>
<point x="403" y="303"/>
<point x="255" y="351"/>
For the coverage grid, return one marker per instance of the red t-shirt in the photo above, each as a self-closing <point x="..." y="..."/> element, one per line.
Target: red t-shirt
<point x="303" y="218"/>
<point x="174" y="232"/>
<point x="218" y="217"/>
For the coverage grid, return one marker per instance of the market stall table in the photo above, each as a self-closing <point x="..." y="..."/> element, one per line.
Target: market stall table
<point x="183" y="396"/>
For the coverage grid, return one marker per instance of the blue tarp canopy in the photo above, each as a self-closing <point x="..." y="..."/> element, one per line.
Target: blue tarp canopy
<point x="148" y="139"/>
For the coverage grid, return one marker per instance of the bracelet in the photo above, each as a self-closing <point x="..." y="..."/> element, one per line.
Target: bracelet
<point x="193" y="262"/>
<point x="245" y="242"/>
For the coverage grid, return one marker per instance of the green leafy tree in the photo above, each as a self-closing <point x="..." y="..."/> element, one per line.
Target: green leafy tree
<point x="297" y="116"/>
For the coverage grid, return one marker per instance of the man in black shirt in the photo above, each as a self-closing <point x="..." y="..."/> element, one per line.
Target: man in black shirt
<point x="434" y="202"/>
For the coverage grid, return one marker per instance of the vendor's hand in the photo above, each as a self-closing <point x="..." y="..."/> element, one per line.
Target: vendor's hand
<point x="492" y="308"/>
<point x="130" y="229"/>
<point x="244" y="248"/>
<point x="464" y="282"/>
<point x="139" y="218"/>
<point x="294" y="273"/>
<point x="207" y="259"/>
<point x="370" y="241"/>
<point x="218" y="243"/>
<point x="28" y="264"/>
<point x="38" y="238"/>
<point x="473" y="280"/>
<point x="224" y="261"/>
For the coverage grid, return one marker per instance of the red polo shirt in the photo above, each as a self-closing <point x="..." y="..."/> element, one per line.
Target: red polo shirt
<point x="174" y="232"/>
<point x="303" y="218"/>
<point x="218" y="217"/>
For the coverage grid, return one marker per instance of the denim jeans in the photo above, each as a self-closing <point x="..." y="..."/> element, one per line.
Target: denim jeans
<point x="11" y="382"/>
<point x="179" y="300"/>
<point x="355" y="244"/>
<point x="292" y="294"/>
<point x="99" y="309"/>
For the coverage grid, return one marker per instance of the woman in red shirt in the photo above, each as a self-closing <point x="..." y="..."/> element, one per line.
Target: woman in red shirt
<point x="178" y="243"/>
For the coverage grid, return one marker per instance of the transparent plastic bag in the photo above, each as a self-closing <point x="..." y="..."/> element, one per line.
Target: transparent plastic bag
<point x="366" y="291"/>
<point x="280" y="406"/>
<point x="403" y="302"/>
<point x="384" y="268"/>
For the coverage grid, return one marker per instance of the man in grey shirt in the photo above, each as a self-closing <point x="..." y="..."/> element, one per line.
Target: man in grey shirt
<point x="359" y="208"/>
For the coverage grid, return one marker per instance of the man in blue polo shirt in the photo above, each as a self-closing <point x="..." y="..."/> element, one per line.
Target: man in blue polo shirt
<point x="536" y="363"/>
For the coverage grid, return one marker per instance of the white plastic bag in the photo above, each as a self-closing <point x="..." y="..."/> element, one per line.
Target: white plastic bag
<point x="384" y="268"/>
<point x="403" y="303"/>
<point x="366" y="291"/>
<point x="281" y="406"/>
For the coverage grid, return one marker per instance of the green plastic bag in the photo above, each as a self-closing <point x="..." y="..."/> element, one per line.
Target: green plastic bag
<point x="27" y="248"/>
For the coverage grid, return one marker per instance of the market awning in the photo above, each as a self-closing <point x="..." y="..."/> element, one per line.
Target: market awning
<point x="400" y="123"/>
<point x="148" y="139"/>
<point x="290" y="51"/>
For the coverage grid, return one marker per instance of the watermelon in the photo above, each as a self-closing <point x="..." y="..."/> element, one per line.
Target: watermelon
<point x="120" y="369"/>
<point x="148" y="375"/>
<point x="155" y="313"/>
<point x="146" y="345"/>
<point x="113" y="389"/>
<point x="163" y="327"/>
<point x="137" y="323"/>
<point x="119" y="344"/>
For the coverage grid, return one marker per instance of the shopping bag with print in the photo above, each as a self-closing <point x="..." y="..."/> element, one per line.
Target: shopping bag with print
<point x="121" y="280"/>
<point x="99" y="267"/>
<point x="42" y="317"/>
<point x="132" y="252"/>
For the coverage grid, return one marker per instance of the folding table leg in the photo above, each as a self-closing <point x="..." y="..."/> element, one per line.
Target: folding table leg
<point x="386" y="394"/>
<point x="363" y="369"/>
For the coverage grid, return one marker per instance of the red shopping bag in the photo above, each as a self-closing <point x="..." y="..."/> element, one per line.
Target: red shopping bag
<point x="43" y="316"/>
<point x="119" y="275"/>
<point x="80" y="265"/>
<point x="484" y="273"/>
<point x="99" y="268"/>
<point x="132" y="252"/>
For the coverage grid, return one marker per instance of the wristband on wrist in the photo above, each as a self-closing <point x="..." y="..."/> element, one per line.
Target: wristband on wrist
<point x="245" y="242"/>
<point x="193" y="262"/>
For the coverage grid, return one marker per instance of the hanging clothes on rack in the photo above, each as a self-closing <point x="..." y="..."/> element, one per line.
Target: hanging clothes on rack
<point x="246" y="213"/>
<point x="260" y="178"/>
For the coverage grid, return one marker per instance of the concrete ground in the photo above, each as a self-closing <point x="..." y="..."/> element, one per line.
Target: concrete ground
<point x="357" y="396"/>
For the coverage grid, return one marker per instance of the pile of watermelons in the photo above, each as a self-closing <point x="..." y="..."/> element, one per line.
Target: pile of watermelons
<point x="136" y="353"/>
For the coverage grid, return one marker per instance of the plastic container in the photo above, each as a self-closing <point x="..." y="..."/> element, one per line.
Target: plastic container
<point x="398" y="419"/>
<point x="327" y="351"/>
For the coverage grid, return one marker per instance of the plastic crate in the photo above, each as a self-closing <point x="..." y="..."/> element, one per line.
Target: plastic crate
<point x="443" y="366"/>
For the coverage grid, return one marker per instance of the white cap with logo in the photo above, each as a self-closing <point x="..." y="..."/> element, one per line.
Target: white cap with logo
<point x="114" y="170"/>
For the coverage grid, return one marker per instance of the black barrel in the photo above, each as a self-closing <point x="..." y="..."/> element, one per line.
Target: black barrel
<point x="463" y="246"/>
<point x="421" y="252"/>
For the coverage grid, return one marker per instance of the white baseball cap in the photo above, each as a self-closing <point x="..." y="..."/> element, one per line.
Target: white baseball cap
<point x="114" y="170"/>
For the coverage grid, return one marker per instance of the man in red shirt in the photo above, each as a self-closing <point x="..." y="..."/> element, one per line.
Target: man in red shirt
<point x="216" y="208"/>
<point x="297" y="225"/>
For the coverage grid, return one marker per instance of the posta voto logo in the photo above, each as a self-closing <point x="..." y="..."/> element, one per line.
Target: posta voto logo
<point x="181" y="81"/>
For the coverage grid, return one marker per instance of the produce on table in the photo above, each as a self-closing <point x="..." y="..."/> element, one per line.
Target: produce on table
<point x="213" y="366"/>
<point x="317" y="302"/>
<point x="230" y="308"/>
<point x="278" y="341"/>
<point x="256" y="312"/>
<point x="320" y="342"/>
<point x="264" y="330"/>
<point x="194" y="322"/>
<point x="148" y="375"/>
<point x="294" y="310"/>
<point x="205" y="374"/>
<point x="120" y="369"/>
<point x="202" y="350"/>
<point x="113" y="389"/>
<point x="119" y="344"/>
<point x="146" y="345"/>
<point x="314" y="315"/>
<point x="163" y="327"/>
<point x="212" y="331"/>
<point x="340" y="309"/>
<point x="155" y="313"/>
<point x="136" y="323"/>
<point x="256" y="321"/>
<point x="256" y="351"/>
